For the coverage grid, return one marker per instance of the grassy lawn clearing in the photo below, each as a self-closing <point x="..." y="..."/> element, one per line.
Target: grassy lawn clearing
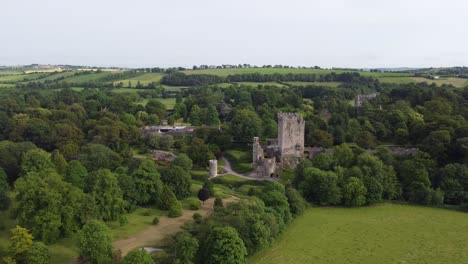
<point x="386" y="233"/>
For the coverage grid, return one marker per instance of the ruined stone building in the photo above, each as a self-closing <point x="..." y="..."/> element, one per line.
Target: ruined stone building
<point x="360" y="98"/>
<point x="286" y="151"/>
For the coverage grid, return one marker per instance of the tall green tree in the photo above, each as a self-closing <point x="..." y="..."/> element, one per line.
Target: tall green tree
<point x="76" y="174"/>
<point x="186" y="248"/>
<point x="212" y="117"/>
<point x="138" y="257"/>
<point x="245" y="125"/>
<point x="21" y="242"/>
<point x="224" y="246"/>
<point x="95" y="243"/>
<point x="195" y="116"/>
<point x="39" y="254"/>
<point x="97" y="156"/>
<point x="36" y="160"/>
<point x="48" y="205"/>
<point x="59" y="162"/>
<point x="147" y="182"/>
<point x="178" y="180"/>
<point x="320" y="187"/>
<point x="168" y="198"/>
<point x="183" y="161"/>
<point x="354" y="192"/>
<point x="108" y="196"/>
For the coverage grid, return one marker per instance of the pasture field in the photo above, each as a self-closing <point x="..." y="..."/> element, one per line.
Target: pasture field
<point x="76" y="89"/>
<point x="226" y="72"/>
<point x="255" y="84"/>
<point x="7" y="85"/>
<point x="168" y="102"/>
<point x="58" y="75"/>
<point x="21" y="77"/>
<point x="385" y="233"/>
<point x="455" y="81"/>
<point x="144" y="79"/>
<point x="93" y="76"/>
<point x="328" y="84"/>
<point x="10" y="72"/>
<point x="43" y="70"/>
<point x="128" y="90"/>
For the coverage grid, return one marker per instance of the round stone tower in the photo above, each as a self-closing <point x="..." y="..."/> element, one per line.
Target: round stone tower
<point x="213" y="168"/>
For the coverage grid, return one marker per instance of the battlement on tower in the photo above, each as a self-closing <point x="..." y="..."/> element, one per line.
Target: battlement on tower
<point x="290" y="115"/>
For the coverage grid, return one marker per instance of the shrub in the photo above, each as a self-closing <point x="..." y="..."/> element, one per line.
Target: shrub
<point x="197" y="218"/>
<point x="354" y="192"/>
<point x="137" y="257"/>
<point x="156" y="220"/>
<point x="167" y="199"/>
<point x="297" y="204"/>
<point x="210" y="186"/>
<point x="252" y="191"/>
<point x="123" y="220"/>
<point x="218" y="202"/>
<point x="204" y="194"/>
<point x="146" y="213"/>
<point x="194" y="204"/>
<point x="5" y="201"/>
<point x="175" y="210"/>
<point x="183" y="161"/>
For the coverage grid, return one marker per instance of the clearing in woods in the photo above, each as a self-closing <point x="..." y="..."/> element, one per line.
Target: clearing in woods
<point x="384" y="233"/>
<point x="155" y="235"/>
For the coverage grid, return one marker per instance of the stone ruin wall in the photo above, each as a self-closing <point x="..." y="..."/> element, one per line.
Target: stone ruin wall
<point x="257" y="151"/>
<point x="265" y="167"/>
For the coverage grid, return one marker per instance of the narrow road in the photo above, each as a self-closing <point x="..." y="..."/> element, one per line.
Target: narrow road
<point x="229" y="171"/>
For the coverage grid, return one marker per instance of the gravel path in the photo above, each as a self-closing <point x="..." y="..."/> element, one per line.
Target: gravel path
<point x="249" y="176"/>
<point x="154" y="235"/>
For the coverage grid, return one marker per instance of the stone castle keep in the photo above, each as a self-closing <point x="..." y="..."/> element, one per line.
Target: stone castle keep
<point x="286" y="151"/>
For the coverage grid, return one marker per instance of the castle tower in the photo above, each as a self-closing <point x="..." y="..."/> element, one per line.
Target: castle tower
<point x="257" y="150"/>
<point x="213" y="169"/>
<point x="291" y="129"/>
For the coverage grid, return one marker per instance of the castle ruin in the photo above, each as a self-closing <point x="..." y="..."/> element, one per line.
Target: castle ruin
<point x="286" y="151"/>
<point x="360" y="98"/>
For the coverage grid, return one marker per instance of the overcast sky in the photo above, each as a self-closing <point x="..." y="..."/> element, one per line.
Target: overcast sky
<point x="328" y="33"/>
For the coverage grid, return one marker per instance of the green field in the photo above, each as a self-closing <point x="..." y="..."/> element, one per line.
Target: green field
<point x="226" y="72"/>
<point x="128" y="90"/>
<point x="240" y="161"/>
<point x="21" y="77"/>
<point x="7" y="85"/>
<point x="168" y="102"/>
<point x="328" y="84"/>
<point x="387" y="233"/>
<point x="455" y="81"/>
<point x="94" y="76"/>
<point x="58" y="75"/>
<point x="144" y="79"/>
<point x="255" y="84"/>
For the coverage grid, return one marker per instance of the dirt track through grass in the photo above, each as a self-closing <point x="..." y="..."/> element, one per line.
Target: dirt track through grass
<point x="154" y="235"/>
